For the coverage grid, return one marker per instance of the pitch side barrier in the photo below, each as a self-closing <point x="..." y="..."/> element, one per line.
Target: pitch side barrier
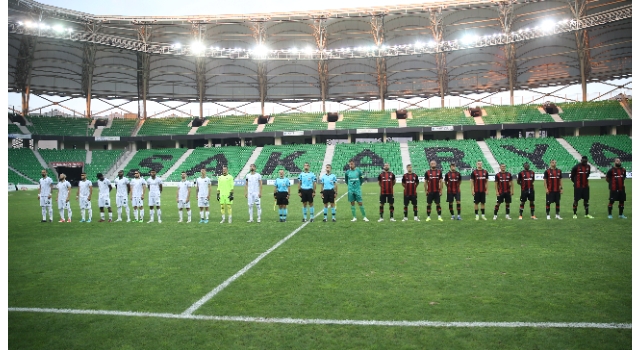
<point x="338" y="132"/>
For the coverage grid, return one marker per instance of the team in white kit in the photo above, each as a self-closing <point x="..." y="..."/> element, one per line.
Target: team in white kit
<point x="134" y="190"/>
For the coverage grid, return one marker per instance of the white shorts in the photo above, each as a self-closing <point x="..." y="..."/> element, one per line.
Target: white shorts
<point x="203" y="202"/>
<point x="85" y="203"/>
<point x="154" y="201"/>
<point x="45" y="201"/>
<point x="137" y="202"/>
<point x="184" y="205"/>
<point x="63" y="204"/>
<point x="122" y="201"/>
<point x="253" y="198"/>
<point x="104" y="202"/>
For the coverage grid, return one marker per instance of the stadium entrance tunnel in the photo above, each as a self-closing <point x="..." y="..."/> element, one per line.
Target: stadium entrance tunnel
<point x="366" y="158"/>
<point x="73" y="174"/>
<point x="220" y="161"/>
<point x="446" y="155"/>
<point x="275" y="160"/>
<point x="150" y="164"/>
<point x="603" y="155"/>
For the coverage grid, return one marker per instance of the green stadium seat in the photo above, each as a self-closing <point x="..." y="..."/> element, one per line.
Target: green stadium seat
<point x="602" y="150"/>
<point x="160" y="160"/>
<point x="297" y="122"/>
<point x="165" y="126"/>
<point x="366" y="120"/>
<point x="515" y="114"/>
<point x="101" y="162"/>
<point x="14" y="129"/>
<point x="465" y="153"/>
<point x="369" y="157"/>
<point x="229" y="124"/>
<point x="58" y="125"/>
<point x="24" y="161"/>
<point x="204" y="157"/>
<point x="594" y="110"/>
<point x="438" y="117"/>
<point x="274" y="158"/>
<point x="120" y="127"/>
<point x="544" y="150"/>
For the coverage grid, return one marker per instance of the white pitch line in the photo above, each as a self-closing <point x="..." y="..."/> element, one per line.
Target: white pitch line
<point x="229" y="280"/>
<point x="301" y="321"/>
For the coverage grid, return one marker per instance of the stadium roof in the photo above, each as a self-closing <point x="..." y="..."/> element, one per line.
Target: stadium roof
<point x="401" y="51"/>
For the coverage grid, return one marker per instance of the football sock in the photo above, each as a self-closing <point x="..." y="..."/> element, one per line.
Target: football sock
<point x="391" y="208"/>
<point x="333" y="212"/>
<point x="557" y="208"/>
<point x="206" y="215"/>
<point x="586" y="208"/>
<point x="251" y="211"/>
<point x="222" y="210"/>
<point x="229" y="209"/>
<point x="620" y="208"/>
<point x="119" y="212"/>
<point x="259" y="211"/>
<point x="508" y="208"/>
<point x="69" y="213"/>
<point x="135" y="214"/>
<point x="102" y="215"/>
<point x="325" y="212"/>
<point x="521" y="208"/>
<point x="180" y="214"/>
<point x="548" y="208"/>
<point x="82" y="213"/>
<point x="405" y="211"/>
<point x="44" y="213"/>
<point x="280" y="213"/>
<point x="381" y="210"/>
<point x="61" y="213"/>
<point x="51" y="213"/>
<point x="90" y="214"/>
<point x="353" y="210"/>
<point x="201" y="214"/>
<point x="610" y="207"/>
<point x="189" y="215"/>
<point x="482" y="211"/>
<point x="428" y="209"/>
<point x="476" y="211"/>
<point x="159" y="214"/>
<point x="141" y="213"/>
<point x="439" y="209"/>
<point x="304" y="213"/>
<point x="364" y="215"/>
<point x="312" y="212"/>
<point x="286" y="212"/>
<point x="575" y="208"/>
<point x="151" y="214"/>
<point x="451" y="208"/>
<point x="415" y="210"/>
<point x="533" y="209"/>
<point x="127" y="210"/>
<point x="495" y="209"/>
<point x="458" y="208"/>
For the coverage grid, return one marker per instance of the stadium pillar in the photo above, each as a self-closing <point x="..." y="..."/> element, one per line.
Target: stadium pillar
<point x="384" y="137"/>
<point x="278" y="141"/>
<point x="61" y="145"/>
<point x="134" y="146"/>
<point x="459" y="135"/>
<point x="109" y="146"/>
<point x="148" y="144"/>
<point x="242" y="141"/>
<point x="313" y="139"/>
<point x="498" y="134"/>
<point x="536" y="133"/>
<point x="613" y="130"/>
<point x="576" y="132"/>
<point x="209" y="143"/>
<point x="86" y="146"/>
<point x="25" y="100"/>
<point x="421" y="136"/>
<point x="349" y="138"/>
<point x="177" y="144"/>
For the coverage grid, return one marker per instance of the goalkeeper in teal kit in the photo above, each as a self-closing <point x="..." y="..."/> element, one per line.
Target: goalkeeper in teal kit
<point x="353" y="178"/>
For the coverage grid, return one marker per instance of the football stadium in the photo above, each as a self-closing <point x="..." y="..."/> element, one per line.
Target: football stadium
<point x="293" y="133"/>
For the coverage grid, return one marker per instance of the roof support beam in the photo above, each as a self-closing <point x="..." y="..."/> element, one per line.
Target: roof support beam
<point x="377" y="30"/>
<point x="24" y="65"/>
<point x="319" y="26"/>
<point x="353" y="107"/>
<point x="144" y="67"/>
<point x="578" y="10"/>
<point x="259" y="29"/>
<point x="198" y="31"/>
<point x="437" y="29"/>
<point x="229" y="109"/>
<point x="505" y="9"/>
<point x="88" y="64"/>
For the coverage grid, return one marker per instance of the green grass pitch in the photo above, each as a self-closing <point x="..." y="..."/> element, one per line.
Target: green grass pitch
<point x="464" y="271"/>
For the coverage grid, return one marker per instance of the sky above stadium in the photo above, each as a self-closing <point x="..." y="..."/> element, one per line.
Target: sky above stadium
<point x="203" y="7"/>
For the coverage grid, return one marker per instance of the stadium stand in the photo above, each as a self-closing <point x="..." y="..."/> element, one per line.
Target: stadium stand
<point x="24" y="161"/>
<point x="14" y="129"/>
<point x="213" y="159"/>
<point x="602" y="150"/>
<point x="230" y="124"/>
<point x="537" y="151"/>
<point x="15" y="178"/>
<point x="101" y="162"/>
<point x="367" y="120"/>
<point x="515" y="114"/>
<point x="369" y="157"/>
<point x="165" y="126"/>
<point x="291" y="159"/>
<point x="296" y="122"/>
<point x="120" y="127"/>
<point x="594" y="110"/>
<point x="63" y="155"/>
<point x="158" y="159"/>
<point x="438" y="117"/>
<point x="465" y="153"/>
<point x="64" y="126"/>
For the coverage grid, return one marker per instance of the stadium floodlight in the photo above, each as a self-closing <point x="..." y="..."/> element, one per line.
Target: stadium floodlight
<point x="432" y="43"/>
<point x="43" y="26"/>
<point x="469" y="39"/>
<point x="261" y="51"/>
<point x="294" y="50"/>
<point x="70" y="30"/>
<point x="197" y="47"/>
<point x="19" y="23"/>
<point x="31" y="25"/>
<point x="58" y="28"/>
<point x="177" y="46"/>
<point x="547" y="25"/>
<point x="308" y="50"/>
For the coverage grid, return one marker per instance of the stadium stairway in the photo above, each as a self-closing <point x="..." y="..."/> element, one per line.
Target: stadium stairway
<point x="487" y="154"/>
<point x="109" y="122"/>
<point x="260" y="127"/>
<point x="557" y="118"/>
<point x="404" y="153"/>
<point x="137" y="128"/>
<point x="328" y="155"/>
<point x="97" y="132"/>
<point x="572" y="151"/>
<point x="26" y="179"/>
<point x="177" y="164"/>
<point x="626" y="107"/>
<point x="40" y="159"/>
<point x="24" y="130"/>
<point x="252" y="160"/>
<point x="124" y="159"/>
<point x="89" y="157"/>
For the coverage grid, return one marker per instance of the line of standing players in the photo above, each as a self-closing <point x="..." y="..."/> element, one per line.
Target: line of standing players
<point x="434" y="182"/>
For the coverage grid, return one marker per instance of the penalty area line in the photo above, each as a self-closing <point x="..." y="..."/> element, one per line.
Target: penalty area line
<point x="229" y="280"/>
<point x="301" y="321"/>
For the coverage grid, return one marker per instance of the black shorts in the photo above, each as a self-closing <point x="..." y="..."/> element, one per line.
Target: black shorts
<point x="528" y="195"/>
<point x="386" y="198"/>
<point x="433" y="197"/>
<point x="306" y="196"/>
<point x="504" y="197"/>
<point x="410" y="199"/>
<point x="329" y="196"/>
<point x="553" y="197"/>
<point x="617" y="196"/>
<point x="580" y="193"/>
<point x="453" y="197"/>
<point x="281" y="198"/>
<point x="480" y="197"/>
